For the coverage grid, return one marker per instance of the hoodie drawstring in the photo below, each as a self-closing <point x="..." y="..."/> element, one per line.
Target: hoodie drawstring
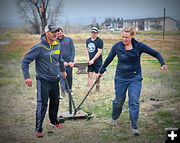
<point x="51" y="48"/>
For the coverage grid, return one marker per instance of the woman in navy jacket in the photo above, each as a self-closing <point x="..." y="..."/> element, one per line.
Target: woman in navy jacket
<point x="128" y="74"/>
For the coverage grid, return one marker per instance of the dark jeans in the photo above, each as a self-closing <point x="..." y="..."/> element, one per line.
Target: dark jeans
<point x="69" y="80"/>
<point x="46" y="90"/>
<point x="133" y="85"/>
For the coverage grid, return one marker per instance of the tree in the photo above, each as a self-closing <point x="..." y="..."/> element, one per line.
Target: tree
<point x="37" y="13"/>
<point x="94" y="21"/>
<point x="98" y="26"/>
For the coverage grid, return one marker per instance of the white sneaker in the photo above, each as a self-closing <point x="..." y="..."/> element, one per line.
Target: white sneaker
<point x="114" y="122"/>
<point x="61" y="97"/>
<point x="135" y="132"/>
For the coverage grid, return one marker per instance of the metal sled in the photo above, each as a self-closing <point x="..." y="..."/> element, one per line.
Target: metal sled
<point x="78" y="113"/>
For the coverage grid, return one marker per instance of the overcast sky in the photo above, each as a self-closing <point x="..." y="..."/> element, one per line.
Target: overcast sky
<point x="82" y="11"/>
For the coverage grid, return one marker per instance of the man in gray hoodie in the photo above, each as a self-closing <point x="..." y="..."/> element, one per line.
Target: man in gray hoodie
<point x="48" y="65"/>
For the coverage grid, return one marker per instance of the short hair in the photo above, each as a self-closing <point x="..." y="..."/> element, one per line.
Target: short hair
<point x="130" y="30"/>
<point x="60" y="29"/>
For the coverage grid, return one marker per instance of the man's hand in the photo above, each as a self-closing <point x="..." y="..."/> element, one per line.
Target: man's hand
<point x="95" y="57"/>
<point x="91" y="62"/>
<point x="64" y="74"/>
<point x="28" y="82"/>
<point x="71" y="64"/>
<point x="66" y="64"/>
<point x="164" y="67"/>
<point x="99" y="75"/>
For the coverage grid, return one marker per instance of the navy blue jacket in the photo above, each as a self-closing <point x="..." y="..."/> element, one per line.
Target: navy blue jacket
<point x="129" y="60"/>
<point x="47" y="58"/>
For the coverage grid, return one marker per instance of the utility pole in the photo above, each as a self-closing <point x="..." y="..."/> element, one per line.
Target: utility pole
<point x="164" y="18"/>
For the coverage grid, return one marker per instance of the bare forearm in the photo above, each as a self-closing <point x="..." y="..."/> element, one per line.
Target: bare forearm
<point x="97" y="55"/>
<point x="87" y="54"/>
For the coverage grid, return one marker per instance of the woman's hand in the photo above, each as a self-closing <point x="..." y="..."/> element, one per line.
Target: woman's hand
<point x="164" y="67"/>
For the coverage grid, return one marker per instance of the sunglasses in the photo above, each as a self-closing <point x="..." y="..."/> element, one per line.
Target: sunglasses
<point x="55" y="31"/>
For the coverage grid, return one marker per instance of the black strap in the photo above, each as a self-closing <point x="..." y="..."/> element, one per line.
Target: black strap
<point x="87" y="94"/>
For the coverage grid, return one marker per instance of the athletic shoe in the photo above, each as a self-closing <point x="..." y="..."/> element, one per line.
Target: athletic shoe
<point x="38" y="134"/>
<point x="61" y="97"/>
<point x="135" y="132"/>
<point x="55" y="125"/>
<point x="97" y="88"/>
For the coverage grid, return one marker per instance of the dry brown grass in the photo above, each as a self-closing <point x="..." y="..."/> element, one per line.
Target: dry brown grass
<point x="18" y="102"/>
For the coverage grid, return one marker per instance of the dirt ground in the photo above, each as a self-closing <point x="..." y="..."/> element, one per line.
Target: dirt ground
<point x="159" y="108"/>
<point x="18" y="117"/>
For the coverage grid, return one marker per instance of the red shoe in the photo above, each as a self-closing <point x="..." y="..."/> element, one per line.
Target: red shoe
<point x="56" y="125"/>
<point x="38" y="134"/>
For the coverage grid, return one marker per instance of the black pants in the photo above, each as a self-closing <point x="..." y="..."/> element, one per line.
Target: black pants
<point x="69" y="76"/>
<point x="46" y="90"/>
<point x="69" y="80"/>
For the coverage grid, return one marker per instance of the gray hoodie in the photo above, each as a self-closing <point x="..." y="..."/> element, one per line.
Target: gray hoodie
<point x="47" y="58"/>
<point x="68" y="49"/>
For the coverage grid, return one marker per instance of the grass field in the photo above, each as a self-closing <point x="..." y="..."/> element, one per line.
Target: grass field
<point x="160" y="97"/>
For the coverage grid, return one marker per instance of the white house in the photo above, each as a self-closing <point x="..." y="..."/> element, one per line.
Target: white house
<point x="157" y="24"/>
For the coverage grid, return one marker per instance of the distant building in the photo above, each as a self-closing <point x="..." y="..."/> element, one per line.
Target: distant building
<point x="157" y="24"/>
<point x="178" y="25"/>
<point x="146" y="24"/>
<point x="138" y="24"/>
<point x="113" y="24"/>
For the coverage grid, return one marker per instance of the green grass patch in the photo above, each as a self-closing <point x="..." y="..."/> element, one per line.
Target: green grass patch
<point x="102" y="110"/>
<point x="150" y="135"/>
<point x="50" y="133"/>
<point x="125" y="113"/>
<point x="174" y="66"/>
<point x="6" y="55"/>
<point x="5" y="81"/>
<point x="167" y="123"/>
<point x="165" y="119"/>
<point x="6" y="36"/>
<point x="173" y="62"/>
<point x="163" y="114"/>
<point x="106" y="137"/>
<point x="16" y="54"/>
<point x="178" y="95"/>
<point x="123" y="138"/>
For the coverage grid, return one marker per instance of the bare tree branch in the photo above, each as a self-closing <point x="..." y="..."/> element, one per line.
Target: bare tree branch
<point x="40" y="11"/>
